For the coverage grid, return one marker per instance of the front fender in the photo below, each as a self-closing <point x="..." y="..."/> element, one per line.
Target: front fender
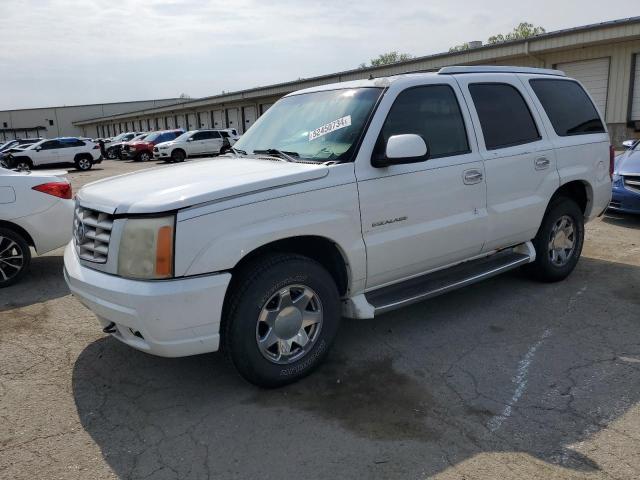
<point x="218" y="241"/>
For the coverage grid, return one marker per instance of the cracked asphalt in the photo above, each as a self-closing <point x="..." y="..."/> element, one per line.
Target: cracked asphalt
<point x="506" y="379"/>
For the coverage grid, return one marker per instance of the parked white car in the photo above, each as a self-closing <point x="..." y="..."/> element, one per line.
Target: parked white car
<point x="195" y="143"/>
<point x="82" y="153"/>
<point x="36" y="211"/>
<point x="349" y="199"/>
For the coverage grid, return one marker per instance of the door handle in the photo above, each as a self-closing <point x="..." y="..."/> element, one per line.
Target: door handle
<point x="541" y="163"/>
<point x="472" y="177"/>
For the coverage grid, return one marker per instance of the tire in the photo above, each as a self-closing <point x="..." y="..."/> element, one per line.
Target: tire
<point x="21" y="163"/>
<point x="84" y="163"/>
<point x="12" y="245"/>
<point x="144" y="156"/>
<point x="308" y="293"/>
<point x="178" y="156"/>
<point x="559" y="241"/>
<point x="112" y="154"/>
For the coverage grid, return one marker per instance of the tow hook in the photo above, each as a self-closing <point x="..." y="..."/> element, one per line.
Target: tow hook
<point x="111" y="328"/>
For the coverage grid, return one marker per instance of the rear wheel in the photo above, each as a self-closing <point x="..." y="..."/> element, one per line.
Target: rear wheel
<point x="282" y="317"/>
<point x="14" y="257"/>
<point x="178" y="156"/>
<point x="84" y="163"/>
<point x="559" y="241"/>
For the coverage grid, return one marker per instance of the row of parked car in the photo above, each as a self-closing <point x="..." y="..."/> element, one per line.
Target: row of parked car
<point x="170" y="145"/>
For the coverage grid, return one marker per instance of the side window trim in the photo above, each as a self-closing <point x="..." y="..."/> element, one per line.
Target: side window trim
<point x="531" y="115"/>
<point x="457" y="98"/>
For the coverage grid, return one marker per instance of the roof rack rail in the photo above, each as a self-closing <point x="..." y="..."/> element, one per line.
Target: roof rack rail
<point x="493" y="69"/>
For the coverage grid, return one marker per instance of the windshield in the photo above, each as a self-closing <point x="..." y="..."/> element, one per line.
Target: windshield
<point x="184" y="136"/>
<point x="119" y="137"/>
<point x="318" y="126"/>
<point x="139" y="137"/>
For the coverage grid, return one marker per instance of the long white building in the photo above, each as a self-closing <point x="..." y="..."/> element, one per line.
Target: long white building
<point x="605" y="57"/>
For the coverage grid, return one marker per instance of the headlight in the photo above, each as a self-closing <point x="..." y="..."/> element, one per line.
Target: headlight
<point x="146" y="248"/>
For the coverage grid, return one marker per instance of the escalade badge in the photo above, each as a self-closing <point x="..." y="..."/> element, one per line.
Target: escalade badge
<point x="387" y="222"/>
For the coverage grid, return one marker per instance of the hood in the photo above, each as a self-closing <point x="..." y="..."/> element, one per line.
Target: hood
<point x="628" y="163"/>
<point x="174" y="187"/>
<point x="166" y="144"/>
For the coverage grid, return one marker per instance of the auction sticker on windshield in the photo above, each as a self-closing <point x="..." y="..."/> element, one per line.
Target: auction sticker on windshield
<point x="330" y="127"/>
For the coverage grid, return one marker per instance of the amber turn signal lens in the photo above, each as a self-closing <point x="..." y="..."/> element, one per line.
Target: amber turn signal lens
<point x="164" y="252"/>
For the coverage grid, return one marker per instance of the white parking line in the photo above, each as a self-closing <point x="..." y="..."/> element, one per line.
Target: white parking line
<point x="520" y="381"/>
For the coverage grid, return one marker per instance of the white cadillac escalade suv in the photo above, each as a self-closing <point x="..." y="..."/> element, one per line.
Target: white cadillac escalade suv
<point x="349" y="199"/>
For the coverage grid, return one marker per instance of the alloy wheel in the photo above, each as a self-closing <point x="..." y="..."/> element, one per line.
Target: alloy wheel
<point x="562" y="241"/>
<point x="11" y="259"/>
<point x="84" y="164"/>
<point x="289" y="324"/>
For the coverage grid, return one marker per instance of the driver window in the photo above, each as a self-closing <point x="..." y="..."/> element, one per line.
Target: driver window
<point x="433" y="113"/>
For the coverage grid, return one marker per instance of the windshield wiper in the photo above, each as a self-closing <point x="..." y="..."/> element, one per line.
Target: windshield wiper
<point x="238" y="151"/>
<point x="288" y="156"/>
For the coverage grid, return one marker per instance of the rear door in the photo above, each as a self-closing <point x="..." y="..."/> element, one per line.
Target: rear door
<point x="519" y="160"/>
<point x="212" y="143"/>
<point x="425" y="215"/>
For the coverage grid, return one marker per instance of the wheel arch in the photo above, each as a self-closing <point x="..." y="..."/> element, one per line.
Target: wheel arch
<point x="179" y="149"/>
<point x="19" y="230"/>
<point x="578" y="190"/>
<point x="321" y="249"/>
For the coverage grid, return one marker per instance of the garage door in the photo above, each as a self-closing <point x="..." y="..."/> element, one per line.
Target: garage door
<point x="218" y="119"/>
<point x="594" y="75"/>
<point x="232" y="117"/>
<point x="635" y="101"/>
<point x="204" y="118"/>
<point x="264" y="107"/>
<point x="169" y="122"/>
<point x="192" y="122"/>
<point x="249" y="114"/>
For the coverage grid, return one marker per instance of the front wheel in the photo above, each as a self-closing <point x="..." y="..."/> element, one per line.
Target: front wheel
<point x="178" y="156"/>
<point x="112" y="154"/>
<point x="144" y="156"/>
<point x="14" y="257"/>
<point x="282" y="317"/>
<point x="559" y="241"/>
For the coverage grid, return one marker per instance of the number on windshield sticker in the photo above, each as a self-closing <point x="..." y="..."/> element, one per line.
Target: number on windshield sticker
<point x="330" y="127"/>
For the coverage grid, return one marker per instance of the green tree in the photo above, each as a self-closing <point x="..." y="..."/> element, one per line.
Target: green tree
<point x="459" y="48"/>
<point x="522" y="31"/>
<point x="387" y="59"/>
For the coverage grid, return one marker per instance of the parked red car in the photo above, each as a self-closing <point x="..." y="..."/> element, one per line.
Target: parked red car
<point x="142" y="150"/>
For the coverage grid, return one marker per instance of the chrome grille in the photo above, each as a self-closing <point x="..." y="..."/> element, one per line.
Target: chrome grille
<point x="91" y="233"/>
<point x="632" y="182"/>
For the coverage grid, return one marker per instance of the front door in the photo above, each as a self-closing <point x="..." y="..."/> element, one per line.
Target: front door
<point x="425" y="215"/>
<point x="48" y="153"/>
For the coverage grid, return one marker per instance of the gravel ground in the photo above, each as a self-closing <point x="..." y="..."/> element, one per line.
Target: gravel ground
<point x="506" y="379"/>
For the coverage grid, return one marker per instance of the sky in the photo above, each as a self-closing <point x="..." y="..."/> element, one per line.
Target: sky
<point x="69" y="52"/>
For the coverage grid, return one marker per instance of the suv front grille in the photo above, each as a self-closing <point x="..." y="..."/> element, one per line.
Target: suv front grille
<point x="632" y="182"/>
<point x="91" y="233"/>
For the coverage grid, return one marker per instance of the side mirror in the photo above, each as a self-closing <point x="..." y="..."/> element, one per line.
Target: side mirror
<point x="629" y="143"/>
<point x="38" y="149"/>
<point x="402" y="149"/>
<point x="190" y="139"/>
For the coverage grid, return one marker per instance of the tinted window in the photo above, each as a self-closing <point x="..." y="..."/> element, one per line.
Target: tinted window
<point x="224" y="134"/>
<point x="200" y="136"/>
<point x="51" y="144"/>
<point x="504" y="116"/>
<point x="431" y="112"/>
<point x="568" y="107"/>
<point x="214" y="134"/>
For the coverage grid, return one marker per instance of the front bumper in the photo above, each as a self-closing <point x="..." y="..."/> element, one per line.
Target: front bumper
<point x="169" y="318"/>
<point x="161" y="153"/>
<point x="623" y="200"/>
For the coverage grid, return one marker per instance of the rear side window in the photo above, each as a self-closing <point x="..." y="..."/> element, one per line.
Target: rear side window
<point x="431" y="112"/>
<point x="568" y="107"/>
<point x="504" y="116"/>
